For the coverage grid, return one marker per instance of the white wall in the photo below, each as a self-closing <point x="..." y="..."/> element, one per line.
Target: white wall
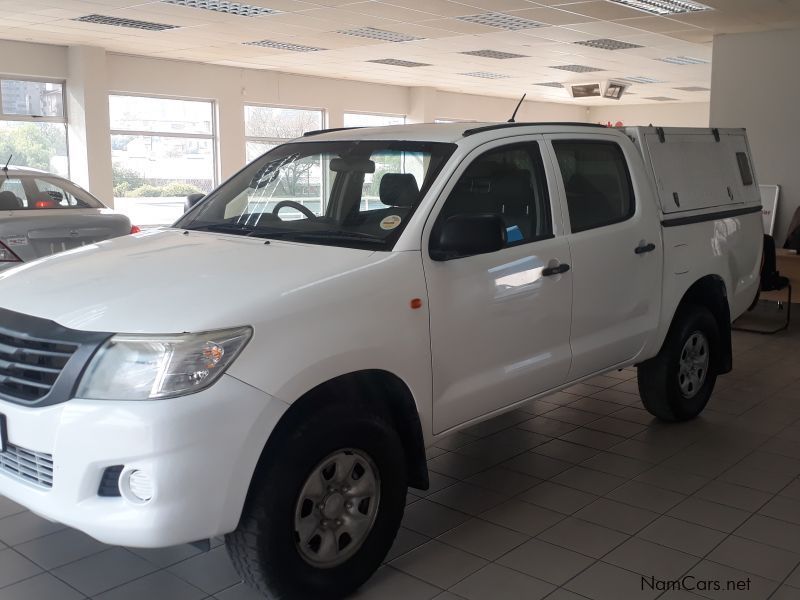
<point x="668" y="114"/>
<point x="754" y="85"/>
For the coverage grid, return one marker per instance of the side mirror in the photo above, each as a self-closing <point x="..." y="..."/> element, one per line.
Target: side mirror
<point x="468" y="235"/>
<point x="191" y="200"/>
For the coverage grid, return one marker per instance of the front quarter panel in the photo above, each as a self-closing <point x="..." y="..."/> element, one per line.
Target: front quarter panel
<point x="356" y="320"/>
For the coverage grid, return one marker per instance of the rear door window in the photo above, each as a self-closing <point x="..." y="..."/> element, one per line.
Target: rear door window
<point x="12" y="194"/>
<point x="596" y="181"/>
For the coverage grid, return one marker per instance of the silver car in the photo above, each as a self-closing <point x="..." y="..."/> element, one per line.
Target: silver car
<point x="41" y="214"/>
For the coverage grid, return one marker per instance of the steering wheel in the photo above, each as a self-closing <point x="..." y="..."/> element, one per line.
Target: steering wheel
<point x="303" y="209"/>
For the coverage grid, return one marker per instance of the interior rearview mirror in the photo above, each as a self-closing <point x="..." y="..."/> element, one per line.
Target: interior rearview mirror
<point x="191" y="200"/>
<point x="468" y="235"/>
<point x="355" y="165"/>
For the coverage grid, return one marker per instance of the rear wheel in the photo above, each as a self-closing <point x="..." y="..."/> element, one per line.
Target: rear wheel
<point x="677" y="383"/>
<point x="324" y="507"/>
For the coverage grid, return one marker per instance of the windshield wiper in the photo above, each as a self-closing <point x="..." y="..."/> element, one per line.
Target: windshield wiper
<point x="330" y="234"/>
<point x="234" y="228"/>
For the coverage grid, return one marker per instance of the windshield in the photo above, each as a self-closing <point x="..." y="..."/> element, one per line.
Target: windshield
<point x="359" y="194"/>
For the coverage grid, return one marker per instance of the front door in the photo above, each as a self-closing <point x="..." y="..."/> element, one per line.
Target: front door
<point x="499" y="321"/>
<point x="615" y="242"/>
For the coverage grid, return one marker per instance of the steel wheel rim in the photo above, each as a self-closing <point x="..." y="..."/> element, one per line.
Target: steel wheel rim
<point x="336" y="508"/>
<point x="693" y="367"/>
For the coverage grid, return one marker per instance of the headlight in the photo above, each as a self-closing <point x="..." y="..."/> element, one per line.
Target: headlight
<point x="148" y="367"/>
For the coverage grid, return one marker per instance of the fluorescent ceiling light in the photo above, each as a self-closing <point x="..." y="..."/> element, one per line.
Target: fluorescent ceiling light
<point x="373" y="33"/>
<point x="683" y="60"/>
<point x="693" y="88"/>
<point x="486" y="75"/>
<point x="394" y="62"/>
<point x="553" y="84"/>
<point x="664" y="7"/>
<point x="283" y="46"/>
<point x="502" y="21"/>
<point x="493" y="54"/>
<point x="641" y="79"/>
<point x="119" y="22"/>
<point x="223" y="6"/>
<point x="576" y="68"/>
<point x="661" y="99"/>
<point x="608" y="44"/>
<point x="588" y="90"/>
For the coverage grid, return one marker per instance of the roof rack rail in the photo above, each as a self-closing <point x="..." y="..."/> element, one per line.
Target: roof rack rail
<point x="468" y="132"/>
<point x="321" y="131"/>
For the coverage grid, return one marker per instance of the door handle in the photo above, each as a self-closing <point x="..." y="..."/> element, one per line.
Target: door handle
<point x="557" y="270"/>
<point x="645" y="248"/>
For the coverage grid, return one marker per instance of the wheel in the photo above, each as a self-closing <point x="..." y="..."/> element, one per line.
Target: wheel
<point x="677" y="383"/>
<point x="323" y="508"/>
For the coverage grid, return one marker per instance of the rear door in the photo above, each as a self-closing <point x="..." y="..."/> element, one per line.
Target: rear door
<point x="615" y="242"/>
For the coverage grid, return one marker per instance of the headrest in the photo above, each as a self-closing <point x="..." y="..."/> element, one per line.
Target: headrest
<point x="399" y="189"/>
<point x="9" y="201"/>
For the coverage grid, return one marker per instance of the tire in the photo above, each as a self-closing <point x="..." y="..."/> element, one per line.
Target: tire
<point x="669" y="391"/>
<point x="265" y="550"/>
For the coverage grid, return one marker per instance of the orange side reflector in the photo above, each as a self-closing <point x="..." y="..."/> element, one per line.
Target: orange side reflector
<point x="416" y="303"/>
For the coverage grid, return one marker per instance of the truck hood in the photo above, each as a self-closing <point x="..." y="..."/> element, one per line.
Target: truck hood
<point x="170" y="282"/>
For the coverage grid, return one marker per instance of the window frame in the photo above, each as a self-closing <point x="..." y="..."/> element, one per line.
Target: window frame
<point x="468" y="161"/>
<point x="276" y="140"/>
<point x="557" y="167"/>
<point x="34" y="118"/>
<point x="213" y="136"/>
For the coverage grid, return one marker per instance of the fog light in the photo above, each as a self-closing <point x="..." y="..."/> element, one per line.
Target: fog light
<point x="140" y="485"/>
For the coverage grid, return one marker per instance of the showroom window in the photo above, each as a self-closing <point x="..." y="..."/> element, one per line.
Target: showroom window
<point x="268" y="126"/>
<point x="162" y="150"/>
<point x="33" y="124"/>
<point x="352" y="119"/>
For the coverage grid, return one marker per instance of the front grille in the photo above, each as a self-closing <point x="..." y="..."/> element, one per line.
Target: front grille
<point x="27" y="465"/>
<point x="29" y="367"/>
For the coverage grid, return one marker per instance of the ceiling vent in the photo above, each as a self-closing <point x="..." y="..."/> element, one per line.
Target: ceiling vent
<point x="231" y="8"/>
<point x="373" y="33"/>
<point x="577" y="68"/>
<point x="661" y="99"/>
<point x="486" y="75"/>
<point x="394" y="62"/>
<point x="283" y="46"/>
<point x="693" y="88"/>
<point x="493" y="54"/>
<point x="641" y="79"/>
<point x="683" y="60"/>
<point x="119" y="22"/>
<point x="664" y="7"/>
<point x="501" y="21"/>
<point x="552" y="84"/>
<point x="608" y="44"/>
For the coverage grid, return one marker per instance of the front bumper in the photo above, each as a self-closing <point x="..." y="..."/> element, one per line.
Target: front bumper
<point x="199" y="450"/>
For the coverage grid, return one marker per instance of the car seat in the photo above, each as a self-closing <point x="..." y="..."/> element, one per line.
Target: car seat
<point x="9" y="201"/>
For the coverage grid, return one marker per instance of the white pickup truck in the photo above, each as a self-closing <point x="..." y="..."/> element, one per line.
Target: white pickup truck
<point x="273" y="367"/>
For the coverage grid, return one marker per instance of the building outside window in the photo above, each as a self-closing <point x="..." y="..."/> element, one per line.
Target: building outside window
<point x="33" y="124"/>
<point x="268" y="126"/>
<point x="162" y="150"/>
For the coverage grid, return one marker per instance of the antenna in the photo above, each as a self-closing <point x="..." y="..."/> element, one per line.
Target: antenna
<point x="511" y="120"/>
<point x="5" y="168"/>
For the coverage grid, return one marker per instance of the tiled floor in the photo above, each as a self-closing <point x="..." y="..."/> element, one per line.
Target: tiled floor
<point x="575" y="496"/>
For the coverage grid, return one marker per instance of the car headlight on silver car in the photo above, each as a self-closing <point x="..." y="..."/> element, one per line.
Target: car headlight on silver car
<point x="151" y="367"/>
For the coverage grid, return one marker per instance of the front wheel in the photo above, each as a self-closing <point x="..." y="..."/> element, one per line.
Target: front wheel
<point x="324" y="507"/>
<point x="677" y="383"/>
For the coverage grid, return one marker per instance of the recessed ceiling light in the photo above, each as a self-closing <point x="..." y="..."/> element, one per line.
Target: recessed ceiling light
<point x="608" y="44"/>
<point x="553" y="84"/>
<point x="486" y="75"/>
<point x="683" y="60"/>
<point x="399" y="63"/>
<point x="576" y="68"/>
<point x="502" y="21"/>
<point x="664" y="7"/>
<point x="223" y="6"/>
<point x="661" y="98"/>
<point x="493" y="54"/>
<point x="693" y="88"/>
<point x="641" y="79"/>
<point x="283" y="46"/>
<point x="587" y="90"/>
<point x="379" y="34"/>
<point x="119" y="22"/>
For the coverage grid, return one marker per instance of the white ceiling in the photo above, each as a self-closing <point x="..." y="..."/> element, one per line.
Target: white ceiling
<point x="218" y="38"/>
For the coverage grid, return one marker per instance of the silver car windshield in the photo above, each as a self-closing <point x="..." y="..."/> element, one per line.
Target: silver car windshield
<point x="37" y="192"/>
<point x="354" y="193"/>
